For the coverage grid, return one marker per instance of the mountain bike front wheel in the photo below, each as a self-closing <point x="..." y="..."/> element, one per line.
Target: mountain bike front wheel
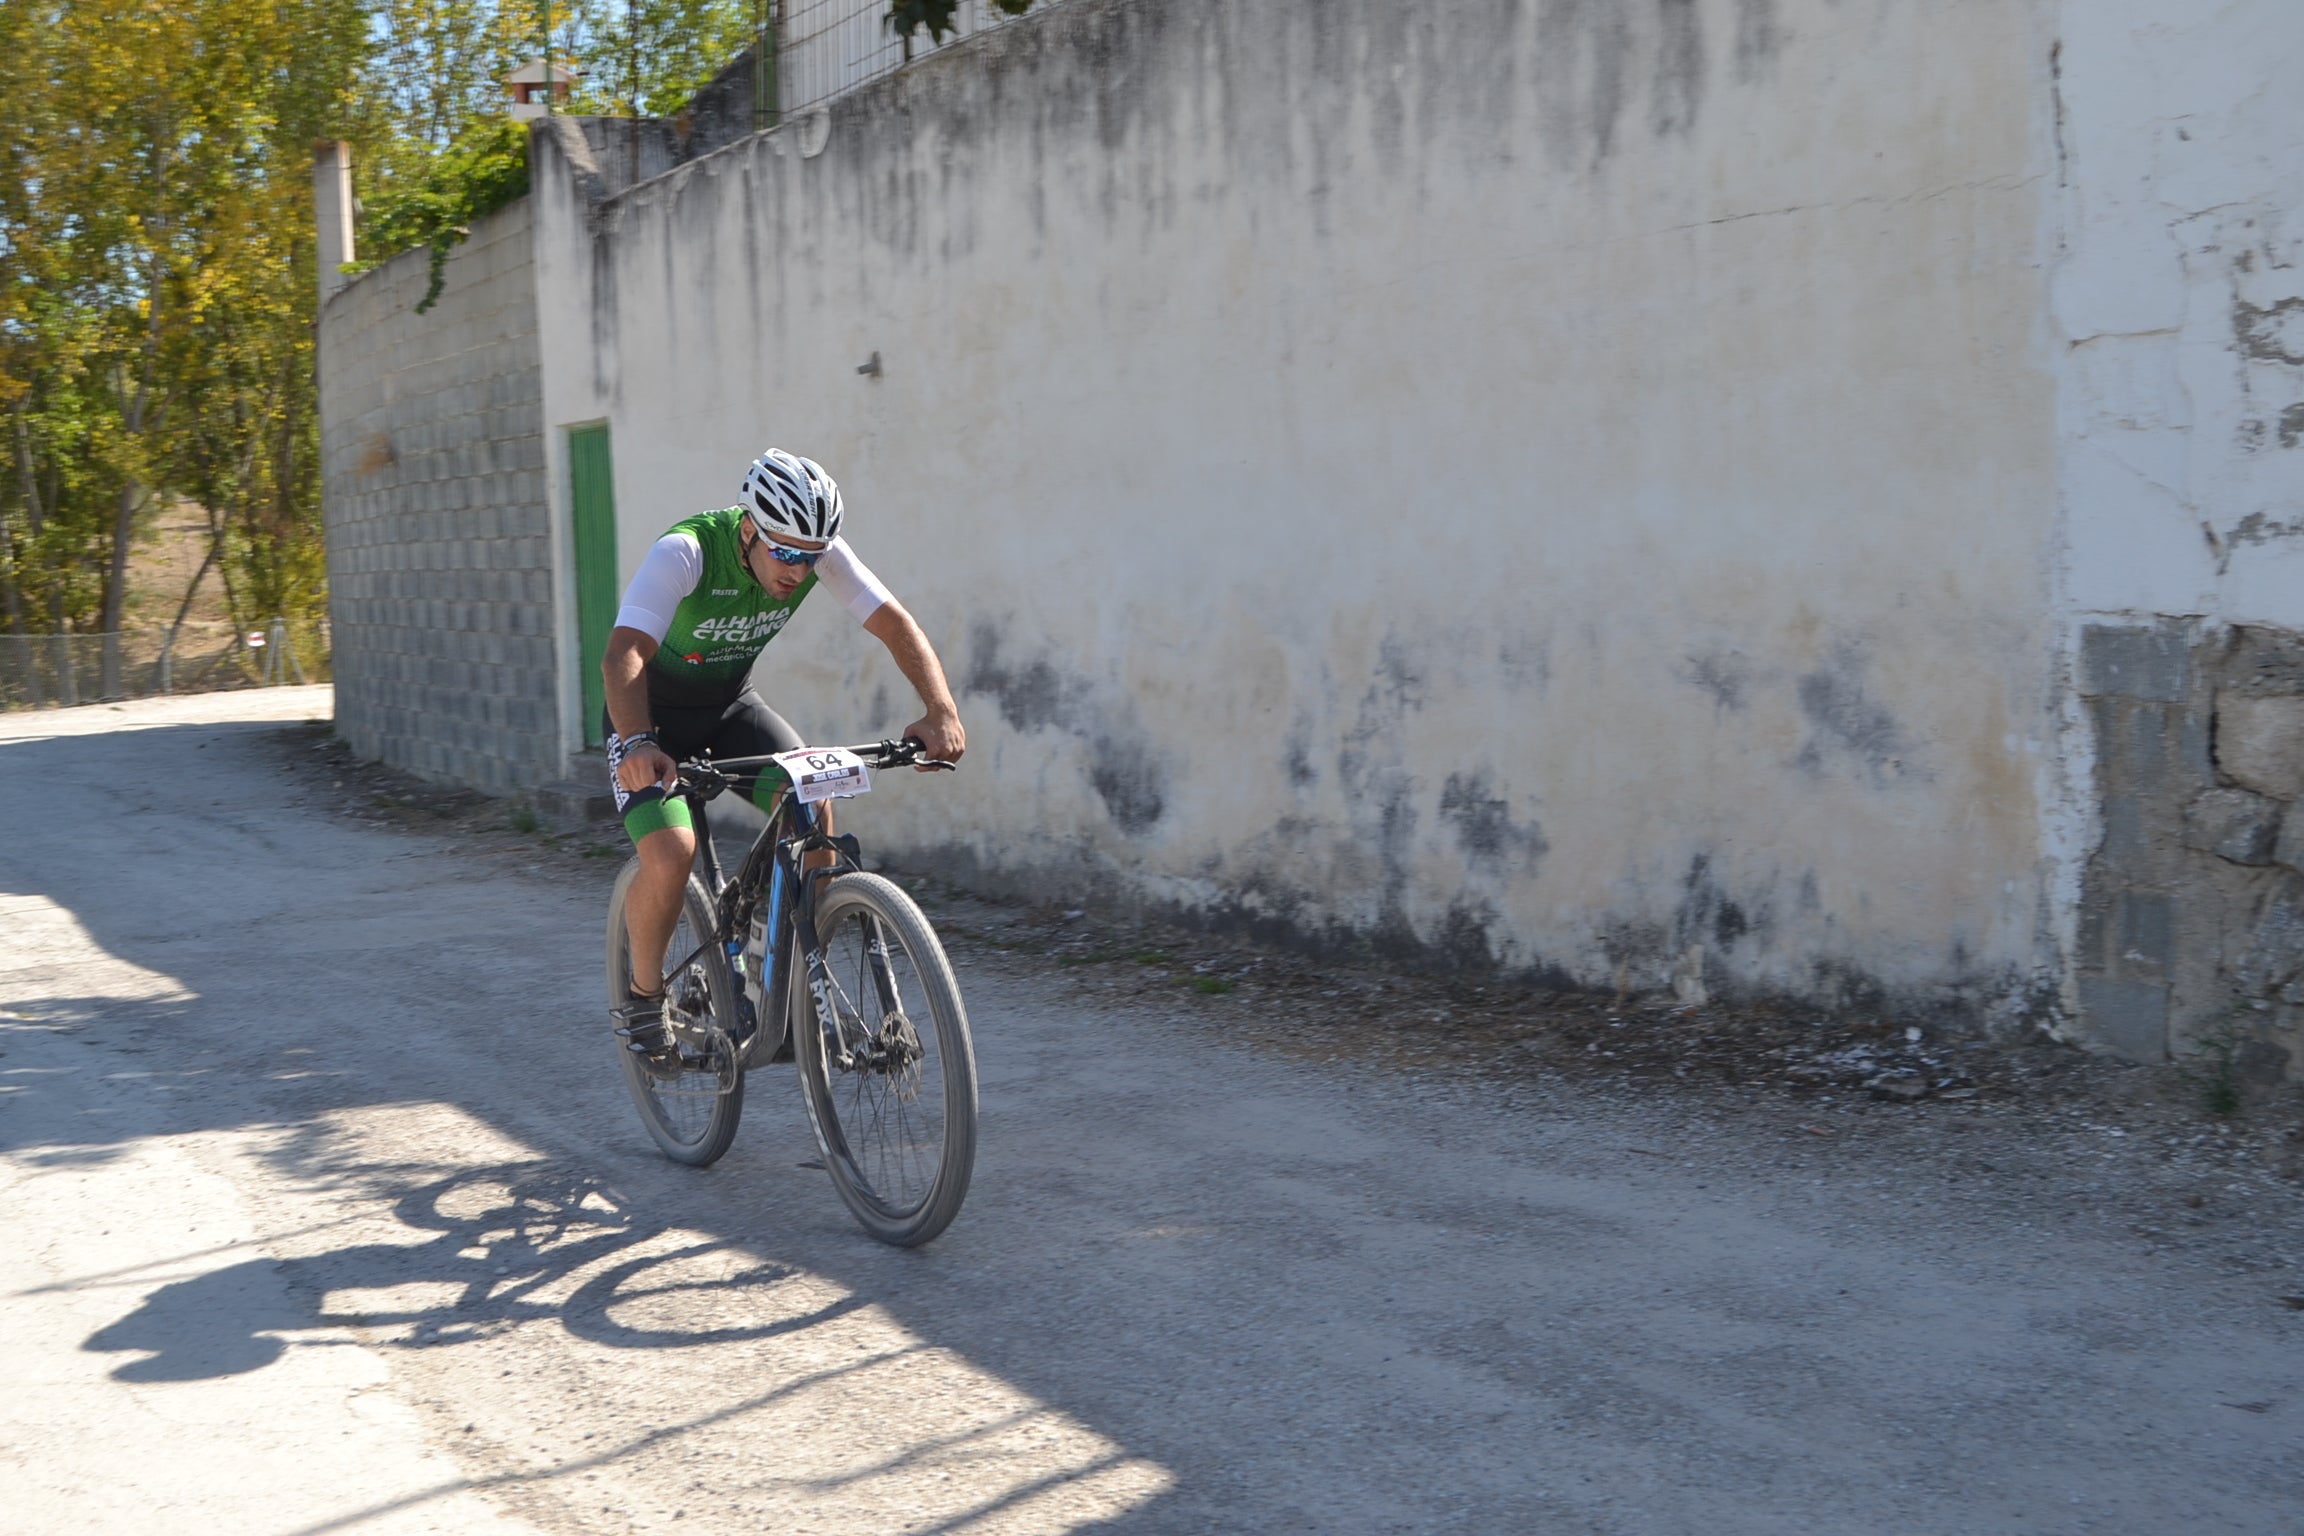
<point x="887" y="1071"/>
<point x="691" y="1116"/>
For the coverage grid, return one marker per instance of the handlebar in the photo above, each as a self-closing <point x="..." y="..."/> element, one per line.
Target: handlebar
<point x="708" y="776"/>
<point x="908" y="753"/>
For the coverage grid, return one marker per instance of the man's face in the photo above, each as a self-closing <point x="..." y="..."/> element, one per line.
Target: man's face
<point x="779" y="578"/>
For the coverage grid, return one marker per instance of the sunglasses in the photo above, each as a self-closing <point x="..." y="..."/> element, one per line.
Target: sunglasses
<point x="784" y="556"/>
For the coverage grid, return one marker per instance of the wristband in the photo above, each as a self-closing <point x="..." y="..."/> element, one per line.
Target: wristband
<point x="639" y="738"/>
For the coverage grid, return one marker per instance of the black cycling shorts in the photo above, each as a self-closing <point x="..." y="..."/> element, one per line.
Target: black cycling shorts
<point x="745" y="727"/>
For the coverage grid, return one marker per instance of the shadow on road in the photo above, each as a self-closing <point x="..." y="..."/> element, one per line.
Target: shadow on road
<point x="519" y="1243"/>
<point x="1193" y="1290"/>
<point x="211" y="961"/>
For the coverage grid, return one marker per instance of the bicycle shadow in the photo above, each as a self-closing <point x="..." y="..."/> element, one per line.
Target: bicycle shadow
<point x="514" y="1245"/>
<point x="423" y="1066"/>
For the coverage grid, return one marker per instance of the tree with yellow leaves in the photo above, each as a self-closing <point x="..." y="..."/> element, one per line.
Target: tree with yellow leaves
<point x="156" y="251"/>
<point x="147" y="247"/>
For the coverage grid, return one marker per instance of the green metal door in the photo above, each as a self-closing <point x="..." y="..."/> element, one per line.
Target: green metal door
<point x="592" y="506"/>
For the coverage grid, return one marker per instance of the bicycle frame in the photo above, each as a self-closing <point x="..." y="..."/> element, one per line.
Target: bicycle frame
<point x="771" y="871"/>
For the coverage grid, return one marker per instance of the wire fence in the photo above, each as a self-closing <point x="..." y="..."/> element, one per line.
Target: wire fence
<point x="831" y="46"/>
<point x="48" y="671"/>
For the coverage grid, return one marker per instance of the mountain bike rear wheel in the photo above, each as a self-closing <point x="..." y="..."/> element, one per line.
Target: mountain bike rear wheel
<point x="887" y="1071"/>
<point x="692" y="1116"/>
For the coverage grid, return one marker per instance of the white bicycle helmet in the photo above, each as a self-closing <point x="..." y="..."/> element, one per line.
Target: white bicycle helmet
<point x="791" y="497"/>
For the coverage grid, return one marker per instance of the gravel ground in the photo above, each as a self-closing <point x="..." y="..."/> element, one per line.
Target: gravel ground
<point x="324" y="1195"/>
<point x="1991" y="1125"/>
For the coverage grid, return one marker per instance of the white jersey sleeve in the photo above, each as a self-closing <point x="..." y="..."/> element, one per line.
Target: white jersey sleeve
<point x="675" y="563"/>
<point x="850" y="580"/>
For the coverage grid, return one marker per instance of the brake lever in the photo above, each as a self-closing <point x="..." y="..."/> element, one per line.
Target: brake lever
<point x="915" y="760"/>
<point x="702" y="778"/>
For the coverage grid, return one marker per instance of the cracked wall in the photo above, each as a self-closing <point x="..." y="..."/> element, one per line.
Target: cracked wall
<point x="1540" y="486"/>
<point x="2177" y="299"/>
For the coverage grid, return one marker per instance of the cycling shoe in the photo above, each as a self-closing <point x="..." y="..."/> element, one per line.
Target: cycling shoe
<point x="642" y="1030"/>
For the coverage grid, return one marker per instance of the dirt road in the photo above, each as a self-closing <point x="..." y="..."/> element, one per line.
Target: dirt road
<point x="326" y="1212"/>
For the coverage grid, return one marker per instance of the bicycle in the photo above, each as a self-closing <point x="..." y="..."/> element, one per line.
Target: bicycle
<point x="890" y="1094"/>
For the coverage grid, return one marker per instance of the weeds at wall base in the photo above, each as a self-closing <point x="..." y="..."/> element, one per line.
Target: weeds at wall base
<point x="2214" y="1070"/>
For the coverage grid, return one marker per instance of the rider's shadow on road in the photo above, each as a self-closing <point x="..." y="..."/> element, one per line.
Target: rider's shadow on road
<point x="513" y="1245"/>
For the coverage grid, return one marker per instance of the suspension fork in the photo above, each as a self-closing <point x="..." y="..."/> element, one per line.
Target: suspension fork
<point x="883" y="971"/>
<point x="841" y="1041"/>
<point x="801" y="918"/>
<point x="875" y="939"/>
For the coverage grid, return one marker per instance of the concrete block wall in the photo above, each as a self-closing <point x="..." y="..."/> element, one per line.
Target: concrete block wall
<point x="2192" y="911"/>
<point x="440" y="571"/>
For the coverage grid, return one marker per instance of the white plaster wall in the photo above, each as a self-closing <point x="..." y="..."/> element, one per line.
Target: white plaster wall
<point x="1569" y="480"/>
<point x="2178" y="298"/>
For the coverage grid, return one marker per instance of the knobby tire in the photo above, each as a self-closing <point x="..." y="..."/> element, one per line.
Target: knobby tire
<point x="898" y="1142"/>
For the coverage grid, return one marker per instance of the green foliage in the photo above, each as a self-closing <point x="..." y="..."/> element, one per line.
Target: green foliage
<point x="434" y="149"/>
<point x="436" y="67"/>
<point x="479" y="173"/>
<point x="155" y="225"/>
<point x="934" y="17"/>
<point x="646" y="58"/>
<point x="157" y="253"/>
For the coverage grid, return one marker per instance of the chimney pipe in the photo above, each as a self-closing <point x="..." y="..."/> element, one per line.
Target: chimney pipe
<point x="332" y="210"/>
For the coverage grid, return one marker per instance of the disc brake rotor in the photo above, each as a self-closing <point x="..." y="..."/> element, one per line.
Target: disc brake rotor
<point x="896" y="1055"/>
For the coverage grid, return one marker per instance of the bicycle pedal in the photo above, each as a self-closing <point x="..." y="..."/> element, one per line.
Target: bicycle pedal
<point x="663" y="1064"/>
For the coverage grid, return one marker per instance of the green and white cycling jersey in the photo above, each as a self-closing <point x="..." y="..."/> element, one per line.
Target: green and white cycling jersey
<point x="710" y="619"/>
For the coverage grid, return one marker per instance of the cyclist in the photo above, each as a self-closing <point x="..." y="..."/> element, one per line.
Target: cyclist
<point x="707" y="599"/>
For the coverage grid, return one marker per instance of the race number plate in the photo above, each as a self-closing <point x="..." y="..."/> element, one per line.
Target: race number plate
<point x="823" y="773"/>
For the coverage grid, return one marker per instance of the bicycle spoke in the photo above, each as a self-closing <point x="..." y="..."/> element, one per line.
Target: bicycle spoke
<point x="895" y="1143"/>
<point x="691" y="1114"/>
<point x="890" y="1085"/>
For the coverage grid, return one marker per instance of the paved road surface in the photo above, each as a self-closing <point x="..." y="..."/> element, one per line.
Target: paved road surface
<point x="325" y="1212"/>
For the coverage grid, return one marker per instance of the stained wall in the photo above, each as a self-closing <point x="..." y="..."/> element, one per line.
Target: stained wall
<point x="2177" y="300"/>
<point x="1552" y="486"/>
